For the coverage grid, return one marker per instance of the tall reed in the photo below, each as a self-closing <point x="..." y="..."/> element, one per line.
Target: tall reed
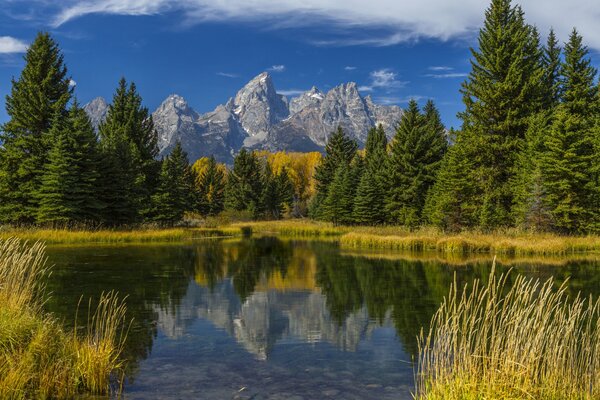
<point x="528" y="341"/>
<point x="38" y="359"/>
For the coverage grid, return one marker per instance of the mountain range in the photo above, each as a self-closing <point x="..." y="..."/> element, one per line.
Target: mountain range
<point x="260" y="118"/>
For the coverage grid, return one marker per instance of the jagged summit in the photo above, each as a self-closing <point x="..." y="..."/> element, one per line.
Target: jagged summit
<point x="260" y="118"/>
<point x="96" y="110"/>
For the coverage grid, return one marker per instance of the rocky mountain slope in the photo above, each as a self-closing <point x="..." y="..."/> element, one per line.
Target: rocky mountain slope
<point x="260" y="118"/>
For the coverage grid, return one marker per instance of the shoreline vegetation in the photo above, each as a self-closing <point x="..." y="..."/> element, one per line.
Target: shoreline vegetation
<point x="38" y="357"/>
<point x="388" y="238"/>
<point x="529" y="341"/>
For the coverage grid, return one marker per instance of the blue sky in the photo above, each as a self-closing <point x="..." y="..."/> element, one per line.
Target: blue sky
<point x="206" y="50"/>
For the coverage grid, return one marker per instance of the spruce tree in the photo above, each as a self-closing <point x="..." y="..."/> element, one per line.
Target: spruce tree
<point x="579" y="92"/>
<point x="565" y="169"/>
<point x="551" y="64"/>
<point x="244" y="188"/>
<point x="338" y="206"/>
<point x="501" y="93"/>
<point x="285" y="191"/>
<point x="416" y="154"/>
<point x="128" y="141"/>
<point x="339" y="152"/>
<point x="68" y="190"/>
<point x="211" y="189"/>
<point x="36" y="99"/>
<point x="175" y="192"/>
<point x="369" y="204"/>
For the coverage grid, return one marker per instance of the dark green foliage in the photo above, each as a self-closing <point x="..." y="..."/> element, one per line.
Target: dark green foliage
<point x="530" y="210"/>
<point x="244" y="188"/>
<point x="278" y="193"/>
<point x="416" y="154"/>
<point x="211" y="189"/>
<point x="175" y="192"/>
<point x="338" y="206"/>
<point x="502" y="92"/>
<point x="450" y="203"/>
<point x="339" y="152"/>
<point x="579" y="92"/>
<point x="68" y="190"/>
<point x="376" y="148"/>
<point x="369" y="203"/>
<point x="36" y="98"/>
<point x="565" y="167"/>
<point x="128" y="142"/>
<point x="551" y="64"/>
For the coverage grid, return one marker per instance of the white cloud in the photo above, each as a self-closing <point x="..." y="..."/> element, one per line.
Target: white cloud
<point x="440" y="68"/>
<point x="394" y="21"/>
<point x="277" y="68"/>
<point x="448" y="75"/>
<point x="72" y="83"/>
<point x="383" y="79"/>
<point x="10" y="45"/>
<point x="349" y="68"/>
<point x="291" y="92"/>
<point x="227" y="75"/>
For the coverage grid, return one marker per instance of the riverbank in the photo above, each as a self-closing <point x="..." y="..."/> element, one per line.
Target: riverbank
<point x="38" y="358"/>
<point x="392" y="238"/>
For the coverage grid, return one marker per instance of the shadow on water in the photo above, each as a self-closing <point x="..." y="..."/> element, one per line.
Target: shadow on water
<point x="279" y="318"/>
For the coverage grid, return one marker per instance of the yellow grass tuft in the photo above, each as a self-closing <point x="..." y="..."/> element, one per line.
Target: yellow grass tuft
<point x="526" y="342"/>
<point x="38" y="359"/>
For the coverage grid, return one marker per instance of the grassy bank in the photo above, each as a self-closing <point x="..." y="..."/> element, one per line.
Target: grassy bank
<point x="38" y="358"/>
<point x="393" y="238"/>
<point x="529" y="342"/>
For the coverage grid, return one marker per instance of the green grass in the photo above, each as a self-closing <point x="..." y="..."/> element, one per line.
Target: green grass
<point x="529" y="342"/>
<point x="38" y="358"/>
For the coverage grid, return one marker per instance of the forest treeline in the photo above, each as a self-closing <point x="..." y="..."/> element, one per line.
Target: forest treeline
<point x="527" y="154"/>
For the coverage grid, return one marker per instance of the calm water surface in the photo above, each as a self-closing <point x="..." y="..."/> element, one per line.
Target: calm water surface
<point x="264" y="318"/>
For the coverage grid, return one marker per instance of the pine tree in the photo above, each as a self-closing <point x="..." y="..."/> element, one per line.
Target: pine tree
<point x="211" y="189"/>
<point x="579" y="92"/>
<point x="339" y="152"/>
<point x="416" y="154"/>
<point x="175" y="193"/>
<point x="376" y="148"/>
<point x="551" y="65"/>
<point x="369" y="204"/>
<point x="338" y="206"/>
<point x="68" y="190"/>
<point x="128" y="141"/>
<point x="502" y="92"/>
<point x="36" y="98"/>
<point x="244" y="187"/>
<point x="449" y="202"/>
<point x="565" y="169"/>
<point x="285" y="191"/>
<point x="568" y="171"/>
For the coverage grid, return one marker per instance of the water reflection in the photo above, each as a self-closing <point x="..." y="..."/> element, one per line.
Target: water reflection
<point x="280" y="302"/>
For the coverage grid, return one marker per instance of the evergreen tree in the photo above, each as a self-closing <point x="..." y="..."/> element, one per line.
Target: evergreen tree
<point x="339" y="152"/>
<point x="68" y="190"/>
<point x="376" y="148"/>
<point x="211" y="189"/>
<point x="579" y="92"/>
<point x="285" y="191"/>
<point x="551" y="65"/>
<point x="565" y="169"/>
<point x="128" y="141"/>
<point x="36" y="99"/>
<point x="175" y="192"/>
<point x="416" y="154"/>
<point x="449" y="202"/>
<point x="369" y="204"/>
<point x="338" y="206"/>
<point x="244" y="187"/>
<point x="502" y="92"/>
<point x="530" y="210"/>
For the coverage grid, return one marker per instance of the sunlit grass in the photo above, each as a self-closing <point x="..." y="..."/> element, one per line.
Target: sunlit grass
<point x="38" y="358"/>
<point x="529" y="342"/>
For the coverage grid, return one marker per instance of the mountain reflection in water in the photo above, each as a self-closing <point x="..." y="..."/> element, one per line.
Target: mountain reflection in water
<point x="281" y="301"/>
